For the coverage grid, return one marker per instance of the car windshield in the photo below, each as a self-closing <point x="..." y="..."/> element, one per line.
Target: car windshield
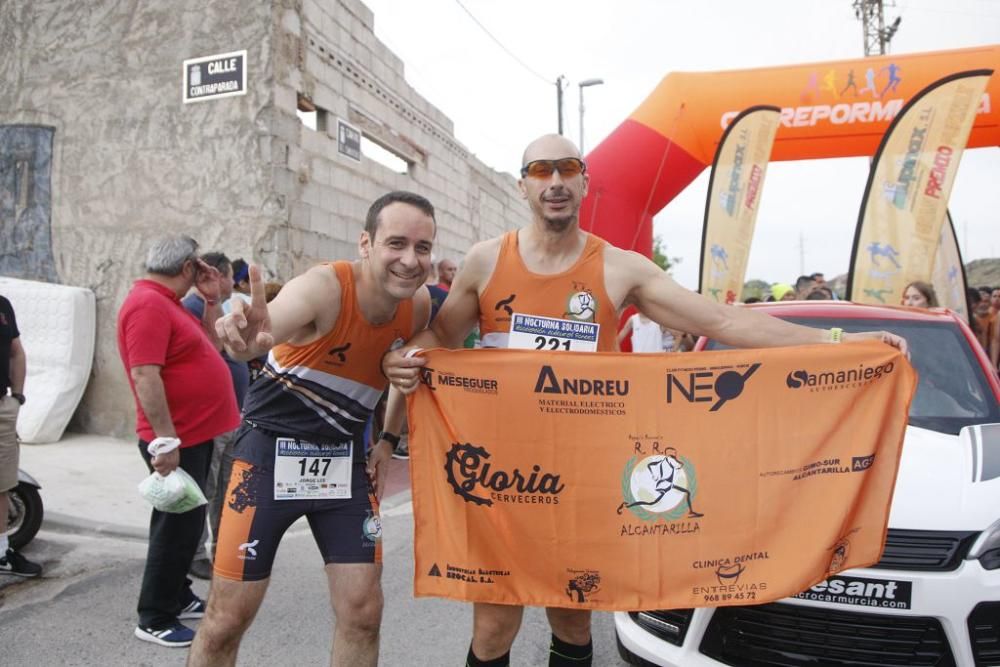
<point x="953" y="391"/>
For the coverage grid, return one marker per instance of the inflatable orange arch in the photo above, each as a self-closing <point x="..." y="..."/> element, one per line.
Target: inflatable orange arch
<point x="831" y="109"/>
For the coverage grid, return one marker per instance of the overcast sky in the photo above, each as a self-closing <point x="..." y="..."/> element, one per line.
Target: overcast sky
<point x="499" y="104"/>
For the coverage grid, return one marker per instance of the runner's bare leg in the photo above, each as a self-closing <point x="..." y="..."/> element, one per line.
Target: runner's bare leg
<point x="356" y="596"/>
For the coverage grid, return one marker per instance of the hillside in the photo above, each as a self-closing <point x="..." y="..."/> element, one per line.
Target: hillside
<point x="983" y="272"/>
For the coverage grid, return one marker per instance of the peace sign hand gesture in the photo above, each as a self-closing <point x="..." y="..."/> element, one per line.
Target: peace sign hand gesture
<point x="246" y="331"/>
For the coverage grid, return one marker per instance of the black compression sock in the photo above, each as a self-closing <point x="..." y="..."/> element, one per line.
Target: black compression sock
<point x="472" y="661"/>
<point x="564" y="654"/>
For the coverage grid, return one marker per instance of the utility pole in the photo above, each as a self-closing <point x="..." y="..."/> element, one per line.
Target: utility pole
<point x="559" y="100"/>
<point x="583" y="84"/>
<point x="877" y="35"/>
<point x="802" y="254"/>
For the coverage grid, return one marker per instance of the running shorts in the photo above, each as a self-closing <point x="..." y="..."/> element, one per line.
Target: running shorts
<point x="253" y="522"/>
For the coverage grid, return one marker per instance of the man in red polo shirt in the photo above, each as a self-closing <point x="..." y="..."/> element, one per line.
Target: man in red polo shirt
<point x="184" y="398"/>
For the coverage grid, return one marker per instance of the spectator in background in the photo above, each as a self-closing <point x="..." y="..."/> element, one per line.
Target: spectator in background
<point x="241" y="285"/>
<point x="919" y="294"/>
<point x="222" y="454"/>
<point x="782" y="292"/>
<point x="446" y="273"/>
<point x="271" y="289"/>
<point x="820" y="293"/>
<point x="985" y="320"/>
<point x="993" y="334"/>
<point x="647" y="335"/>
<point x="819" y="279"/>
<point x="183" y="399"/>
<point x="804" y="285"/>
<point x="684" y="342"/>
<point x="973" y="298"/>
<point x="438" y="296"/>
<point x="13" y="368"/>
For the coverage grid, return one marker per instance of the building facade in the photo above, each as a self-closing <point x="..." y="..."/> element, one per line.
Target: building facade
<point x="99" y="153"/>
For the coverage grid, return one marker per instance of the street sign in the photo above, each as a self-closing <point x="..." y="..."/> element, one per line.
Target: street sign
<point x="348" y="140"/>
<point x="212" y="77"/>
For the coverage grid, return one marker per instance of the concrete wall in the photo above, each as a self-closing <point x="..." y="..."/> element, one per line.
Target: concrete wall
<point x="130" y="161"/>
<point x="240" y="174"/>
<point x="328" y="52"/>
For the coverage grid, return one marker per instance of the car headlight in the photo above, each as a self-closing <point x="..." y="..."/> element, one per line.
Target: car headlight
<point x="986" y="548"/>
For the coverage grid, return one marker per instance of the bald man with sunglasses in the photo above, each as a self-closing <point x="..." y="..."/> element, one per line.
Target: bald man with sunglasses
<point x="551" y="268"/>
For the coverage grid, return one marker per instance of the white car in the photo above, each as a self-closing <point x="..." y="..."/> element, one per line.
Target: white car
<point x="934" y="597"/>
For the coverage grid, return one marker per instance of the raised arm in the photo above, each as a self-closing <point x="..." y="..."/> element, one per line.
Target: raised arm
<point x="306" y="306"/>
<point x="657" y="295"/>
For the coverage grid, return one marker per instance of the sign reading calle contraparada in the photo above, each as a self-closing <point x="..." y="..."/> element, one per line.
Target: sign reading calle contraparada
<point x="212" y="77"/>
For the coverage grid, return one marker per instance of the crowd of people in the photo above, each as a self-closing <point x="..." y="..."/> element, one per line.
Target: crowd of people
<point x="239" y="381"/>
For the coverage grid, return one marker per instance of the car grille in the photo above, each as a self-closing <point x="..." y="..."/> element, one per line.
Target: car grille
<point x="925" y="550"/>
<point x="792" y="635"/>
<point x="984" y="630"/>
<point x="668" y="624"/>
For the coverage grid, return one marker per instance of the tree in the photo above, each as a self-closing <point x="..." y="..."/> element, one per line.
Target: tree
<point x="659" y="255"/>
<point x="756" y="287"/>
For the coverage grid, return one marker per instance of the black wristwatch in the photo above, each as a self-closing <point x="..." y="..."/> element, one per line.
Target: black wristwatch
<point x="20" y="399"/>
<point x="391" y="438"/>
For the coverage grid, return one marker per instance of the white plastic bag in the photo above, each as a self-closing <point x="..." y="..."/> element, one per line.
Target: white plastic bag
<point x="175" y="493"/>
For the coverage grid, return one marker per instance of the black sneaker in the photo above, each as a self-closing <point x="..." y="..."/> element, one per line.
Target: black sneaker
<point x="401" y="451"/>
<point x="19" y="566"/>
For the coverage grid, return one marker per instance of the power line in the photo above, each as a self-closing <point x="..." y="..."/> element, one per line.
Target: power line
<point x="500" y="44"/>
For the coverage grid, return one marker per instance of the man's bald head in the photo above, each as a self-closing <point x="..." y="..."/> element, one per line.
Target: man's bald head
<point x="549" y="147"/>
<point x="446" y="271"/>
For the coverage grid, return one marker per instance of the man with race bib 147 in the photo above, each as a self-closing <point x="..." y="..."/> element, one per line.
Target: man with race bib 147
<point x="551" y="286"/>
<point x="300" y="450"/>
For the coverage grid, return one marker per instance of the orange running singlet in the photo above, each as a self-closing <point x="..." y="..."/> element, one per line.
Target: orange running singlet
<point x="325" y="391"/>
<point x="575" y="294"/>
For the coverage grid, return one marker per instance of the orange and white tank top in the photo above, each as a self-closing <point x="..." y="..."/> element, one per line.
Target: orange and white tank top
<point x="324" y="391"/>
<point x="577" y="294"/>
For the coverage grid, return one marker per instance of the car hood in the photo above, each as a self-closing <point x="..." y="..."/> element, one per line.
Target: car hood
<point x="948" y="482"/>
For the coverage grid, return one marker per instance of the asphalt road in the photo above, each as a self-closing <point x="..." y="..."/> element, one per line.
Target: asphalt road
<point x="82" y="611"/>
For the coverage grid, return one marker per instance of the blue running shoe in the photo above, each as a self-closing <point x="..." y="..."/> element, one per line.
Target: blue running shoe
<point x="174" y="635"/>
<point x="196" y="609"/>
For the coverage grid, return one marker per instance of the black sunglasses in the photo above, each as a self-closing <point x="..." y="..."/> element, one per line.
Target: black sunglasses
<point x="567" y="168"/>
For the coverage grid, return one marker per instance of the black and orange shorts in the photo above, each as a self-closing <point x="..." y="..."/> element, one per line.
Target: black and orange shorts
<point x="253" y="522"/>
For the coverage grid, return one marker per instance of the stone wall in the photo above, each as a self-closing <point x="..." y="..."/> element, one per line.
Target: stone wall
<point x="241" y="174"/>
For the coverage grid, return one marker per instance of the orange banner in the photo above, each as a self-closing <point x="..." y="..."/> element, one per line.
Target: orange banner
<point x="734" y="190"/>
<point x="906" y="198"/>
<point x="614" y="481"/>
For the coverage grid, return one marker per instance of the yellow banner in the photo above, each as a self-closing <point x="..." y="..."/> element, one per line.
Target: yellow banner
<point x="908" y="188"/>
<point x="622" y="482"/>
<point x="734" y="191"/>
<point x="948" y="278"/>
